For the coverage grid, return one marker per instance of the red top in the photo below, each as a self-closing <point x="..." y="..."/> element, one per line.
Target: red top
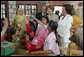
<point x="28" y="28"/>
<point x="3" y="37"/>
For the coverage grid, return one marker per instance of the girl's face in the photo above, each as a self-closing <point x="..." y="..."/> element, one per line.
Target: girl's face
<point x="44" y="20"/>
<point x="63" y="10"/>
<point x="49" y="11"/>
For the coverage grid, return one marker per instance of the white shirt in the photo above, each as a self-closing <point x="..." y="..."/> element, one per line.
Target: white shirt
<point x="50" y="44"/>
<point x="64" y="26"/>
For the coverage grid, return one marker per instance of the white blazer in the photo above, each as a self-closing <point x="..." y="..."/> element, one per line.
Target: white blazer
<point x="64" y="26"/>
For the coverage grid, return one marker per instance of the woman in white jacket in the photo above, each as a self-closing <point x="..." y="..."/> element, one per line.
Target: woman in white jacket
<point x="64" y="26"/>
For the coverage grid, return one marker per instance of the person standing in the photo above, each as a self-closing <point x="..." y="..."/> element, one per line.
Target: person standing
<point x="64" y="26"/>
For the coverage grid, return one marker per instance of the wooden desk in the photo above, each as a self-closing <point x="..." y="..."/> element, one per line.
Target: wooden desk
<point x="21" y="52"/>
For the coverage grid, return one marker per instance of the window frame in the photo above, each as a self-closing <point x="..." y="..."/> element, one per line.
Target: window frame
<point x="28" y="9"/>
<point x="3" y="9"/>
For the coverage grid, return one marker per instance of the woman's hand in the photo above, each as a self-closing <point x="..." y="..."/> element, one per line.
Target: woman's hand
<point x="40" y="22"/>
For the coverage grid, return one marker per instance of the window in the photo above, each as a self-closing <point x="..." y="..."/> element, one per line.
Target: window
<point x="28" y="9"/>
<point x="12" y="9"/>
<point x="2" y="10"/>
<point x="33" y="9"/>
<point x="21" y="6"/>
<point x="58" y="8"/>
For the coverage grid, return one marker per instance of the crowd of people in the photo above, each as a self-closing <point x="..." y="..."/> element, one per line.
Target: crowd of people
<point x="46" y="32"/>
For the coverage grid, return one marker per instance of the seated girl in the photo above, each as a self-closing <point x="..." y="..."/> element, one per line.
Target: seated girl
<point x="40" y="35"/>
<point x="31" y="28"/>
<point x="50" y="45"/>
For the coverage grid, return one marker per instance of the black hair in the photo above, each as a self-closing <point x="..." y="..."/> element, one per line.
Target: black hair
<point x="53" y="25"/>
<point x="73" y="11"/>
<point x="2" y="19"/>
<point x="46" y="18"/>
<point x="68" y="8"/>
<point x="2" y="24"/>
<point x="11" y="31"/>
<point x="33" y="27"/>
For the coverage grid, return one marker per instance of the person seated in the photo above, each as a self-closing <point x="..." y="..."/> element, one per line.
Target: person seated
<point x="50" y="46"/>
<point x="40" y="35"/>
<point x="4" y="26"/>
<point x="30" y="28"/>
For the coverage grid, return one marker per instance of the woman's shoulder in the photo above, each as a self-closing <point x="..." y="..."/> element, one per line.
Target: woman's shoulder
<point x="68" y="15"/>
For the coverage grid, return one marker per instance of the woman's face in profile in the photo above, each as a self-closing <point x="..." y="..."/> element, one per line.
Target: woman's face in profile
<point x="63" y="10"/>
<point x="49" y="11"/>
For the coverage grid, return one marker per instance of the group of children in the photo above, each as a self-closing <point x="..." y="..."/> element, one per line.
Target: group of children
<point x="46" y="34"/>
<point x="43" y="34"/>
<point x="44" y="38"/>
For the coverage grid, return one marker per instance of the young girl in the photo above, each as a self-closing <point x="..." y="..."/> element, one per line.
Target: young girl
<point x="40" y="35"/>
<point x="50" y="45"/>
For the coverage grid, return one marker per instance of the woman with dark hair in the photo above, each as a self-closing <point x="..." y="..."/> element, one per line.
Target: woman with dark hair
<point x="64" y="26"/>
